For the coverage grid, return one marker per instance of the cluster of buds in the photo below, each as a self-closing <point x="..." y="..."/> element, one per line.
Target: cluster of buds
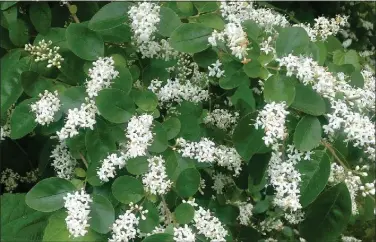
<point x="43" y="52"/>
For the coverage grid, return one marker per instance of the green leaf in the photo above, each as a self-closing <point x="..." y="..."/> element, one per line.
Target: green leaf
<point x="188" y="182"/>
<point x="332" y="44"/>
<point x="137" y="166"/>
<point x="56" y="230"/>
<point x="47" y="195"/>
<point x="33" y="83"/>
<point x="257" y="167"/>
<point x="10" y="16"/>
<point x="11" y="88"/>
<point x="308" y="101"/>
<point x="124" y="80"/>
<point x="357" y="79"/>
<point x="328" y="216"/>
<point x="190" y="38"/>
<point x="314" y="174"/>
<point x="57" y="37"/>
<point x="169" y="21"/>
<point x="184" y="213"/>
<point x="73" y="68"/>
<point x="186" y="8"/>
<point x="252" y="29"/>
<point x="205" y="58"/>
<point x="127" y="189"/>
<point x="40" y="16"/>
<point x="22" y="121"/>
<point x="83" y="42"/>
<point x="18" y="221"/>
<point x="234" y="76"/>
<point x="110" y="16"/>
<point x="190" y="127"/>
<point x="160" y="141"/>
<point x="99" y="142"/>
<point x="212" y="20"/>
<point x="243" y="96"/>
<point x="252" y="69"/>
<point x="203" y="7"/>
<point x="349" y="57"/>
<point x="119" y="34"/>
<point x="318" y="51"/>
<point x="292" y="40"/>
<point x="279" y="89"/>
<point x="247" y="139"/>
<point x="172" y="127"/>
<point x="152" y="218"/>
<point x="8" y="4"/>
<point x="160" y="237"/>
<point x="19" y="33"/>
<point x="307" y="133"/>
<point x="146" y="100"/>
<point x="115" y="105"/>
<point x="102" y="214"/>
<point x="72" y="98"/>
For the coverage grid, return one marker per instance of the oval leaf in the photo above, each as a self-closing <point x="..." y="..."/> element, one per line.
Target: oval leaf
<point x="308" y="101"/>
<point x="184" y="213"/>
<point x="188" y="182"/>
<point x="22" y="121"/>
<point x="279" y="89"/>
<point x="109" y="16"/>
<point x="292" y="40"/>
<point x="40" y="16"/>
<point x="190" y="38"/>
<point x="307" y="133"/>
<point x="102" y="214"/>
<point x="127" y="189"/>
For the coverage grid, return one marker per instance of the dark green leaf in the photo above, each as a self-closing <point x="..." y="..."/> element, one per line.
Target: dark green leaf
<point x="137" y="166"/>
<point x="252" y="29"/>
<point x="292" y="40"/>
<point x="56" y="36"/>
<point x="307" y="133"/>
<point x="357" y="79"/>
<point x="40" y="16"/>
<point x="328" y="216"/>
<point x="115" y="105"/>
<point x="212" y="20"/>
<point x="279" y="89"/>
<point x="160" y="141"/>
<point x="184" y="213"/>
<point x="124" y="80"/>
<point x="234" y="76"/>
<point x="72" y="98"/>
<point x="19" y="33"/>
<point x="188" y="182"/>
<point x="172" y="127"/>
<point x="119" y="34"/>
<point x="127" y="189"/>
<point x="308" y="101"/>
<point x="252" y="69"/>
<point x="102" y="214"/>
<point x="152" y="218"/>
<point x="47" y="195"/>
<point x="314" y="175"/>
<point x="190" y="38"/>
<point x="205" y="58"/>
<point x="83" y="42"/>
<point x="22" y="121"/>
<point x="33" y="83"/>
<point x="161" y="237"/>
<point x="110" y="16"/>
<point x="169" y="21"/>
<point x="146" y="100"/>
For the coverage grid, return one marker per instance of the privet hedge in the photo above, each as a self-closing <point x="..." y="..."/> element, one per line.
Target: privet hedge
<point x="184" y="121"/>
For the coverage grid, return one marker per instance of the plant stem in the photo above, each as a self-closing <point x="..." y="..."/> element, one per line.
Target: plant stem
<point x="74" y="16"/>
<point x="84" y="160"/>
<point x="167" y="211"/>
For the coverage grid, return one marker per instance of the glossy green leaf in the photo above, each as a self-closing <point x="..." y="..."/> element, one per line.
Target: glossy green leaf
<point x="137" y="166"/>
<point x="110" y="16"/>
<point x="314" y="175"/>
<point x="307" y="133"/>
<point x="235" y="76"/>
<point x="252" y="69"/>
<point x="127" y="189"/>
<point x="146" y="100"/>
<point x="172" y="127"/>
<point x="33" y="83"/>
<point x="212" y="20"/>
<point x="308" y="101"/>
<point x="102" y="214"/>
<point x="72" y="98"/>
<point x="190" y="38"/>
<point x="279" y="89"/>
<point x="152" y="218"/>
<point x="292" y="40"/>
<point x="115" y="105"/>
<point x="188" y="182"/>
<point x="184" y="213"/>
<point x="328" y="216"/>
<point x="19" y="33"/>
<point x="83" y="42"/>
<point x="203" y="7"/>
<point x="40" y="16"/>
<point x="252" y="29"/>
<point x="160" y="237"/>
<point x="169" y="21"/>
<point x="160" y="141"/>
<point x="205" y="58"/>
<point x="47" y="195"/>
<point x="22" y="121"/>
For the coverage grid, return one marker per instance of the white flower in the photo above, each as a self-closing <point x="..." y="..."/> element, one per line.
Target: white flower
<point x="183" y="234"/>
<point x="63" y="161"/>
<point x="78" y="208"/>
<point x="84" y="117"/>
<point x="220" y="181"/>
<point x="295" y="217"/>
<point x="245" y="213"/>
<point x="350" y="239"/>
<point x="124" y="228"/>
<point x="156" y="181"/>
<point x="5" y="129"/>
<point x="109" y="164"/>
<point x="266" y="46"/>
<point x="101" y="75"/>
<point x="46" y="107"/>
<point x="9" y="179"/>
<point x="222" y="119"/>
<point x="214" y="69"/>
<point x="272" y="119"/>
<point x="208" y="225"/>
<point x="43" y="52"/>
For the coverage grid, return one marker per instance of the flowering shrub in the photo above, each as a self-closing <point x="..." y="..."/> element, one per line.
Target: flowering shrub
<point x="183" y="121"/>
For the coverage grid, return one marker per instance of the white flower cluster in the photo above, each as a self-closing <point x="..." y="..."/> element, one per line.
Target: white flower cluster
<point x="10" y="179"/>
<point x="323" y="27"/>
<point x="84" y="117"/>
<point x="350" y="239"/>
<point x="156" y="181"/>
<point x="271" y="223"/>
<point x="139" y="136"/>
<point x="108" y="168"/>
<point x="267" y="47"/>
<point x="46" y="107"/>
<point x="5" y="129"/>
<point x="294" y="217"/>
<point x="144" y="20"/>
<point x="208" y="225"/>
<point x="63" y="161"/>
<point x="43" y="52"/>
<point x="353" y="183"/>
<point x="101" y="75"/>
<point x="214" y="69"/>
<point x="222" y="118"/>
<point x="245" y="213"/>
<point x="220" y="181"/>
<point x="178" y="91"/>
<point x="272" y="119"/>
<point x="206" y="151"/>
<point x="78" y="208"/>
<point x="184" y="234"/>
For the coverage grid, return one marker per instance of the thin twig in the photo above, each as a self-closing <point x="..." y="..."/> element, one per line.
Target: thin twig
<point x="74" y="16"/>
<point x="84" y="160"/>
